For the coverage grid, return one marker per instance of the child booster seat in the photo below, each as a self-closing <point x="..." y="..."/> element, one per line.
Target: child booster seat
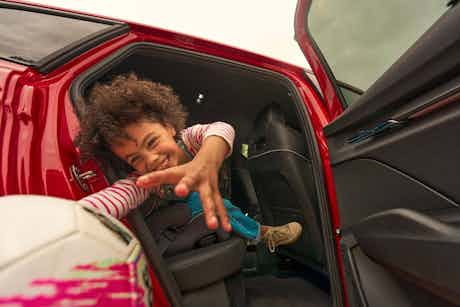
<point x="175" y="231"/>
<point x="199" y="266"/>
<point x="171" y="223"/>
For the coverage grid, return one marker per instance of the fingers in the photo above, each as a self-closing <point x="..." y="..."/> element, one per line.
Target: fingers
<point x="167" y="176"/>
<point x="222" y="211"/>
<point x="184" y="186"/>
<point x="212" y="202"/>
<point x="189" y="177"/>
<point x="208" y="207"/>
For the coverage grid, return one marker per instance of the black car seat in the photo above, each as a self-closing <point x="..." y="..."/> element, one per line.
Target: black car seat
<point x="199" y="267"/>
<point x="206" y="276"/>
<point x="281" y="171"/>
<point x="175" y="231"/>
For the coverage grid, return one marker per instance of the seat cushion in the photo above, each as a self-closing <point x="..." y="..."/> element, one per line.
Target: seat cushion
<point x="203" y="266"/>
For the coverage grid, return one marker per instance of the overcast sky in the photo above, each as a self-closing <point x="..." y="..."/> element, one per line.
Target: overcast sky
<point x="361" y="39"/>
<point x="262" y="26"/>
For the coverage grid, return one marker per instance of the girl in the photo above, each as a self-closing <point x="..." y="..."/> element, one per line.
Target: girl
<point x="139" y="125"/>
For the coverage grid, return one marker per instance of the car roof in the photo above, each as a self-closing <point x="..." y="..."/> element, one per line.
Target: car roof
<point x="261" y="26"/>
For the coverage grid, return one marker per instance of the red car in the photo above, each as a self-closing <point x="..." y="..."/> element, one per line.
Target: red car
<point x="371" y="173"/>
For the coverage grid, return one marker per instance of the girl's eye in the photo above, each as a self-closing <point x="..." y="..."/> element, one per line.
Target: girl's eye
<point x="151" y="143"/>
<point x="134" y="160"/>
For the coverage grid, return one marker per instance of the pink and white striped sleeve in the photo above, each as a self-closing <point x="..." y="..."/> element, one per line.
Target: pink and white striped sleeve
<point x="118" y="199"/>
<point x="194" y="136"/>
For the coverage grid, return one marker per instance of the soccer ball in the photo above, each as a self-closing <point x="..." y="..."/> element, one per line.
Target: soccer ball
<point x="54" y="252"/>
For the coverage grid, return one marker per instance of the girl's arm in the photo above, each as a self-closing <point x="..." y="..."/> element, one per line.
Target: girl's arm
<point x="195" y="135"/>
<point x="118" y="199"/>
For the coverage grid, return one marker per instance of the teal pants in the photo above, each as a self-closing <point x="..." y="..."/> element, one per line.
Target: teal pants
<point x="241" y="224"/>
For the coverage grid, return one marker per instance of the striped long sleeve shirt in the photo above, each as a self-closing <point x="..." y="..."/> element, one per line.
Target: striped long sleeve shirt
<point x="124" y="195"/>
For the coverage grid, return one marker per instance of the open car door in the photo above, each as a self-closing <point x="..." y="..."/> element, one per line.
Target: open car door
<point x="394" y="151"/>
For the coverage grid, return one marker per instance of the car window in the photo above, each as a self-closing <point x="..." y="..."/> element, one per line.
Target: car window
<point x="361" y="39"/>
<point x="28" y="37"/>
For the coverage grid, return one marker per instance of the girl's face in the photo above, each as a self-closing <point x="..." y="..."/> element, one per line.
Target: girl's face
<point x="151" y="147"/>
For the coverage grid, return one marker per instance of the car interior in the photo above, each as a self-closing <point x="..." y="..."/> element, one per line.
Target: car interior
<point x="272" y="180"/>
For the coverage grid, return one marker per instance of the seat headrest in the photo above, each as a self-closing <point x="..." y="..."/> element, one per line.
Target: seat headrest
<point x="272" y="113"/>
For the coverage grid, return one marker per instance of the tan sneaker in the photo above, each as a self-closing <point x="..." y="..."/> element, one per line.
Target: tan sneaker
<point x="282" y="235"/>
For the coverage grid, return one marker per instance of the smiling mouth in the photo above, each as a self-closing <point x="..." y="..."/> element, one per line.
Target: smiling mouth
<point x="163" y="164"/>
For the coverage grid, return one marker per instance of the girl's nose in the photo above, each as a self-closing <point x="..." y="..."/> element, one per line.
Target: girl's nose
<point x="152" y="161"/>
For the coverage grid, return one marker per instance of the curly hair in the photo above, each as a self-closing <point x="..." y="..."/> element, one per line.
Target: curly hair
<point x="125" y="100"/>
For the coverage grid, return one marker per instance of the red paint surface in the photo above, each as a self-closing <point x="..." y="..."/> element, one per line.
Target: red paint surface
<point x="158" y="294"/>
<point x="305" y="42"/>
<point x="335" y="109"/>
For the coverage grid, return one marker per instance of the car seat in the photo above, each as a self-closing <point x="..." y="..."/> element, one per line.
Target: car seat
<point x="198" y="267"/>
<point x="175" y="231"/>
<point x="197" y="276"/>
<point x="280" y="167"/>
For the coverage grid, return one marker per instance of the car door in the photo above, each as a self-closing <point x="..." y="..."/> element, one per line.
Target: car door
<point x="394" y="151"/>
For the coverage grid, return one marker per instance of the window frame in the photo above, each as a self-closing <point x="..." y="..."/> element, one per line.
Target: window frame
<point x="342" y="85"/>
<point x="65" y="54"/>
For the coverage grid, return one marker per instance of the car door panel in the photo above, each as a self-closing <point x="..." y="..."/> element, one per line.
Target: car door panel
<point x="414" y="164"/>
<point x="393" y="237"/>
<point x="370" y="186"/>
<point x="415" y="167"/>
<point x="367" y="282"/>
<point x="397" y="147"/>
<point x="371" y="284"/>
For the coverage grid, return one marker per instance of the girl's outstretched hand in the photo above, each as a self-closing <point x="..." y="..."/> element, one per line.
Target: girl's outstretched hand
<point x="200" y="175"/>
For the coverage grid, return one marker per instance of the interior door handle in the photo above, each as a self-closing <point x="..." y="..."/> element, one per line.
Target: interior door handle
<point x="378" y="129"/>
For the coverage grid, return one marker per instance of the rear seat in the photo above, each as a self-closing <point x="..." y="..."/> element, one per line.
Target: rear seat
<point x="281" y="171"/>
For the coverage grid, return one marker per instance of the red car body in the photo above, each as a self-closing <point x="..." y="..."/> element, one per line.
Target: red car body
<point x="38" y="122"/>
